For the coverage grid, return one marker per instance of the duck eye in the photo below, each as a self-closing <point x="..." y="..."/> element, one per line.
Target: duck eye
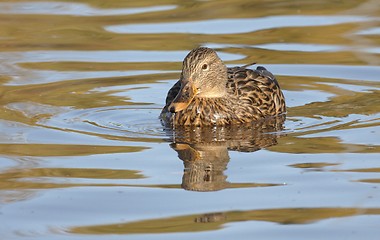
<point x="204" y="66"/>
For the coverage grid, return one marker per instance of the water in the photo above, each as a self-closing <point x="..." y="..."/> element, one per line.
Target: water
<point x="83" y="154"/>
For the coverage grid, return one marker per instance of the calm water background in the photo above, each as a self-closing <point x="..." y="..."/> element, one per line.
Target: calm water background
<point x="84" y="156"/>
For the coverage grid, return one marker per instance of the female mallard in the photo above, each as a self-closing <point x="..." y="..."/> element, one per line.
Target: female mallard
<point x="209" y="93"/>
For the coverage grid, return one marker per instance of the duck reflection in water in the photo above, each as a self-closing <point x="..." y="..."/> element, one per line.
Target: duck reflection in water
<point x="204" y="151"/>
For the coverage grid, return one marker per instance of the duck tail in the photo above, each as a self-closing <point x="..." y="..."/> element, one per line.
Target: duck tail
<point x="249" y="64"/>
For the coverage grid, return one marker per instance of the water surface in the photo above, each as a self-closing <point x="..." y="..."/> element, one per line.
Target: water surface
<point x="83" y="154"/>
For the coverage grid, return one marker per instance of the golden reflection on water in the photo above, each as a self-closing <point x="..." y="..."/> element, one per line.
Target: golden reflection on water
<point x="196" y="223"/>
<point x="79" y="105"/>
<point x="44" y="150"/>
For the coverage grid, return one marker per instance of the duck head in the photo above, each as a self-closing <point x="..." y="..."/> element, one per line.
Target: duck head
<point x="203" y="75"/>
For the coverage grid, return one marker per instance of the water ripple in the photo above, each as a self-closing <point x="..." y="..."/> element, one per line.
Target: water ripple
<point x="108" y="56"/>
<point x="327" y="71"/>
<point x="234" y="26"/>
<point x="111" y="122"/>
<point x="74" y="9"/>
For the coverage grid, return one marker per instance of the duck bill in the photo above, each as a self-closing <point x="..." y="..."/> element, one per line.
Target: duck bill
<point x="183" y="98"/>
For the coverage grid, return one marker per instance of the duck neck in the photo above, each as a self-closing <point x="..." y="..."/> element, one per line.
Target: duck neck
<point x="216" y="92"/>
<point x="216" y="88"/>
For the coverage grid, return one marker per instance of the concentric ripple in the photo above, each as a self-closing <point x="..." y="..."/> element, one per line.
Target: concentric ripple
<point x="111" y="122"/>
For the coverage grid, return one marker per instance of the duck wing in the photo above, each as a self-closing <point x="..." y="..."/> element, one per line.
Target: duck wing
<point x="258" y="92"/>
<point x="172" y="93"/>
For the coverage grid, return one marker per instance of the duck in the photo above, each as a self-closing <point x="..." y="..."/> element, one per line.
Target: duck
<point x="208" y="93"/>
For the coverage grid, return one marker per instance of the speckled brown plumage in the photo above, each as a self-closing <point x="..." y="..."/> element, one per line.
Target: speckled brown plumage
<point x="209" y="93"/>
